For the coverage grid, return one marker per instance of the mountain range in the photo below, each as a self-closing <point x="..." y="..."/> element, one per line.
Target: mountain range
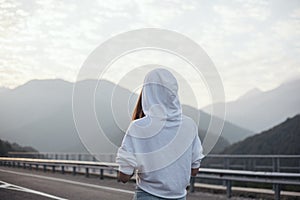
<point x="6" y="147"/>
<point x="39" y="114"/>
<point x="260" y="110"/>
<point x="283" y="139"/>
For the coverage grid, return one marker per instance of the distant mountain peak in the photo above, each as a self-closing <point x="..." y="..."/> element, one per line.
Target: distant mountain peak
<point x="259" y="110"/>
<point x="251" y="93"/>
<point x="43" y="84"/>
<point x="291" y="82"/>
<point x="45" y="81"/>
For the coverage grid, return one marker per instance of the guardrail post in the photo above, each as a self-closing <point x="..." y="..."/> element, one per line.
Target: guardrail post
<point x="277" y="191"/>
<point x="249" y="164"/>
<point x="44" y="168"/>
<point x="228" y="188"/>
<point x="112" y="159"/>
<point x="275" y="164"/>
<point x="30" y="166"/>
<point x="101" y="174"/>
<point x="226" y="163"/>
<point x="192" y="184"/>
<point x="36" y="167"/>
<point x="62" y="169"/>
<point x="24" y="165"/>
<point x="74" y="170"/>
<point x="53" y="168"/>
<point x="86" y="172"/>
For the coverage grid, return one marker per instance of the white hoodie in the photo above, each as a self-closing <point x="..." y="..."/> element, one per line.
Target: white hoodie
<point x="164" y="145"/>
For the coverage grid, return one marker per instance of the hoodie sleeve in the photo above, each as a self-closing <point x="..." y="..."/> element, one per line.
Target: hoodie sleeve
<point x="197" y="154"/>
<point x="125" y="156"/>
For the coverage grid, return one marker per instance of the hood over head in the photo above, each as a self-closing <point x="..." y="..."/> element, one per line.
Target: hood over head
<point x="160" y="95"/>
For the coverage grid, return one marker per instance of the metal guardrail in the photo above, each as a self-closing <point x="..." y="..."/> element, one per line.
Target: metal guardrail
<point x="62" y="164"/>
<point x="272" y="163"/>
<point x="276" y="178"/>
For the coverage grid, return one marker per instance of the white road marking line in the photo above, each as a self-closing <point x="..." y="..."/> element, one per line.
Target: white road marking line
<point x="5" y="185"/>
<point x="71" y="182"/>
<point x="10" y="186"/>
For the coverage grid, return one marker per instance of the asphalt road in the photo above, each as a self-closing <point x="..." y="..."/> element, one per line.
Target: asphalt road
<point x="18" y="183"/>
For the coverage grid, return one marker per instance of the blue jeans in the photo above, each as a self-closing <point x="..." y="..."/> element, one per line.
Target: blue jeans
<point x="142" y="195"/>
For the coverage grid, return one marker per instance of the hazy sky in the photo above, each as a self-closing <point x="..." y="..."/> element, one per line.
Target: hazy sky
<point x="252" y="43"/>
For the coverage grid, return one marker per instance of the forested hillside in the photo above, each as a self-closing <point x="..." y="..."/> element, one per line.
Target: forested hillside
<point x="281" y="139"/>
<point x="6" y="147"/>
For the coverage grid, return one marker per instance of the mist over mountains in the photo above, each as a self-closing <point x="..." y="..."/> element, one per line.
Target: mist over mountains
<point x="39" y="114"/>
<point x="259" y="111"/>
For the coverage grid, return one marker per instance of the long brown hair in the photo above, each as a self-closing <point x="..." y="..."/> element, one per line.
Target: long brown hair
<point x="138" y="110"/>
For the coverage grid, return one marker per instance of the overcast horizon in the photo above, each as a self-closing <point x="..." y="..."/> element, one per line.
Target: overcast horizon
<point x="45" y="79"/>
<point x="254" y="44"/>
